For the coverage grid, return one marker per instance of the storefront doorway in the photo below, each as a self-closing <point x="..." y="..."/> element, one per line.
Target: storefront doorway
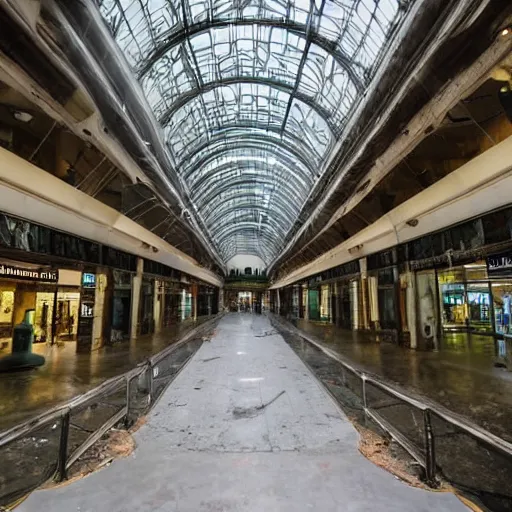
<point x="313" y="304"/>
<point x="245" y="301"/>
<point x="147" y="303"/>
<point x="121" y="306"/>
<point x="66" y="315"/>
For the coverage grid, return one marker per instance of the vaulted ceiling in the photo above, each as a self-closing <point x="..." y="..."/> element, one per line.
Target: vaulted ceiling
<point x="251" y="97"/>
<point x="255" y="126"/>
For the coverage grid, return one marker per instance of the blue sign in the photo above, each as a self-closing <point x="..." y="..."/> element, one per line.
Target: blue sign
<point x="88" y="280"/>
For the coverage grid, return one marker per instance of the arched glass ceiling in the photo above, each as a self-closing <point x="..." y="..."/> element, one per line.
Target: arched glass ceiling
<point x="251" y="97"/>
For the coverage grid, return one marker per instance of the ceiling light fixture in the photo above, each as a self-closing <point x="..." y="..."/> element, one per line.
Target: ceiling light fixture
<point x="24" y="117"/>
<point x="506" y="31"/>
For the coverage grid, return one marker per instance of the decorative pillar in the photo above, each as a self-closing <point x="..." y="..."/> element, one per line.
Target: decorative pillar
<point x="136" y="288"/>
<point x="411" y="307"/>
<point x="159" y="298"/>
<point x="99" y="310"/>
<point x="363" y="292"/>
<point x="427" y="310"/>
<point x="194" y="301"/>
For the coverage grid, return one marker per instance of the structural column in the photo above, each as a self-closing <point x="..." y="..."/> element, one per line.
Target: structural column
<point x="159" y="307"/>
<point x="221" y="299"/>
<point x="194" y="301"/>
<point x="99" y="309"/>
<point x="427" y="309"/>
<point x="364" y="316"/>
<point x="411" y="308"/>
<point x="136" y="288"/>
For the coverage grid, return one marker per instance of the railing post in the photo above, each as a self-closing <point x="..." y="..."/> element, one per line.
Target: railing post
<point x="127" y="417"/>
<point x="151" y="383"/>
<point x="430" y="452"/>
<point x="63" y="448"/>
<point x="363" y="381"/>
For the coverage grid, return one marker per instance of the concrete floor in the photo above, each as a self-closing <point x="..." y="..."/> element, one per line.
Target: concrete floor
<point x="67" y="374"/>
<point x="210" y="444"/>
<point x="461" y="375"/>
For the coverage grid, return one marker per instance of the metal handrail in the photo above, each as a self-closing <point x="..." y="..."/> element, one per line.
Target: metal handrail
<point x="427" y="407"/>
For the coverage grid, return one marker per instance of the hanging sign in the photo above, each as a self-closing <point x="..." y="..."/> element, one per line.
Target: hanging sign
<point x="499" y="265"/>
<point x="88" y="280"/>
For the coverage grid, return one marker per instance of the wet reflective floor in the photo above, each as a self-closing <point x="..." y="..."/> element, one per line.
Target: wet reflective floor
<point x="67" y="374"/>
<point x="461" y="376"/>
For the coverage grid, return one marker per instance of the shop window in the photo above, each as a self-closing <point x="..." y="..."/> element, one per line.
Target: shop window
<point x="478" y="300"/>
<point x="387" y="276"/>
<point x="454" y="308"/>
<point x="387" y="310"/>
<point x="502" y="299"/>
<point x="497" y="226"/>
<point x="466" y="236"/>
<point x="43" y="317"/>
<point x="325" y="303"/>
<point x="6" y="306"/>
<point x="314" y="310"/>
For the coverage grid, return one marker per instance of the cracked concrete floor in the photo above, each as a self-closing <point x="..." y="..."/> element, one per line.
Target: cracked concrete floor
<point x="244" y="427"/>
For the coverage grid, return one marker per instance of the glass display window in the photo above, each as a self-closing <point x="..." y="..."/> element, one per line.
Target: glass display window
<point x="66" y="317"/>
<point x="44" y="317"/>
<point x="325" y="303"/>
<point x="478" y="302"/>
<point x="6" y="306"/>
<point x="502" y="301"/>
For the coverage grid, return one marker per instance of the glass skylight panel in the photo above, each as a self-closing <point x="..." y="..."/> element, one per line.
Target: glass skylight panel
<point x="248" y="117"/>
<point x="139" y="25"/>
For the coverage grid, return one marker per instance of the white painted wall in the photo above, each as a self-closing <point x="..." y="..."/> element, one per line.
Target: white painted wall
<point x="241" y="261"/>
<point x="479" y="186"/>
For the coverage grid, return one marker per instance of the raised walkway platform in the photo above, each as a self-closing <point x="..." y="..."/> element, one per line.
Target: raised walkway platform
<point x="244" y="427"/>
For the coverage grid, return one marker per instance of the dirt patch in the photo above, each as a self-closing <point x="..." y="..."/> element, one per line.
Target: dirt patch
<point x="139" y="423"/>
<point x="115" y="444"/>
<point x="380" y="451"/>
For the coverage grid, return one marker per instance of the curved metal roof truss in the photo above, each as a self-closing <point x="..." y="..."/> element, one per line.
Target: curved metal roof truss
<point x="251" y="98"/>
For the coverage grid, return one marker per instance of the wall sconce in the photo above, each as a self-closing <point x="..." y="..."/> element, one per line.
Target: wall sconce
<point x="413" y="223"/>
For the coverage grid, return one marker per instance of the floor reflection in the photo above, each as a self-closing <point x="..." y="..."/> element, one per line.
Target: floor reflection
<point x="461" y="376"/>
<point x="67" y="374"/>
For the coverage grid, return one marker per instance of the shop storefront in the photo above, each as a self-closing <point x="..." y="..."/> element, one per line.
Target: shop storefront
<point x="468" y="297"/>
<point x="53" y="294"/>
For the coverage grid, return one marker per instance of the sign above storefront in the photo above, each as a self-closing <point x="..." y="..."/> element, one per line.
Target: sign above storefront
<point x="499" y="265"/>
<point x="88" y="280"/>
<point x="29" y="274"/>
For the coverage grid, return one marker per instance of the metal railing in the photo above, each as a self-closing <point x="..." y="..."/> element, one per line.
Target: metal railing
<point x="442" y="442"/>
<point x="49" y="444"/>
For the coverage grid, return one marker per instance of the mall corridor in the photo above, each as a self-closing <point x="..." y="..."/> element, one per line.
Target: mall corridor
<point x="245" y="426"/>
